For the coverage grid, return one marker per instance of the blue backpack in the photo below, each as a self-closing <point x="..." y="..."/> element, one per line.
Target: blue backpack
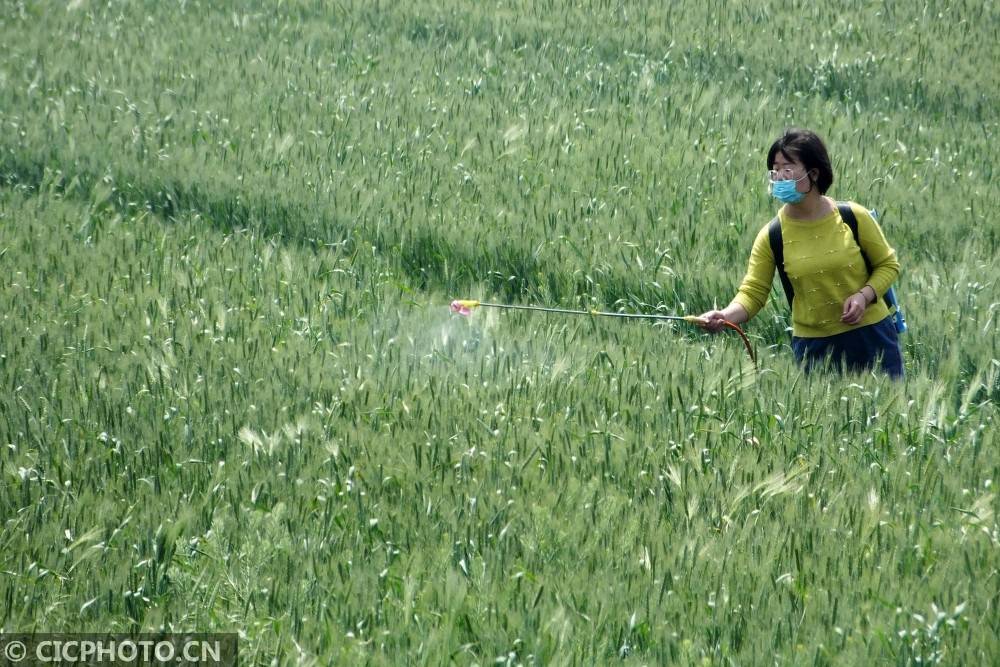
<point x="847" y="214"/>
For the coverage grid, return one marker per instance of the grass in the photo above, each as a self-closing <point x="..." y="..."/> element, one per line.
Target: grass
<point x="235" y="399"/>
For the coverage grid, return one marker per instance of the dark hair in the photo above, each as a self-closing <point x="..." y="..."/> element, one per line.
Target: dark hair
<point x="806" y="147"/>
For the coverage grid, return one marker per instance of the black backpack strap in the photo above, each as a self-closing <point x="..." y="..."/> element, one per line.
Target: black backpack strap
<point x="778" y="250"/>
<point x="847" y="215"/>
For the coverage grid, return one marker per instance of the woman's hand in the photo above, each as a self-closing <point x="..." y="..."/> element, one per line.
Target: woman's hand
<point x="711" y="320"/>
<point x="854" y="308"/>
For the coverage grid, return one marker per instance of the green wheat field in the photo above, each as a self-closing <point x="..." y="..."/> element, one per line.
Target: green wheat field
<point x="234" y="398"/>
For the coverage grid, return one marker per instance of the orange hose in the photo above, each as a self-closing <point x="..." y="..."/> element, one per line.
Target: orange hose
<point x="746" y="341"/>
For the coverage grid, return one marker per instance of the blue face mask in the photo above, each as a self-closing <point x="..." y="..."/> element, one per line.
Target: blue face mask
<point x="785" y="191"/>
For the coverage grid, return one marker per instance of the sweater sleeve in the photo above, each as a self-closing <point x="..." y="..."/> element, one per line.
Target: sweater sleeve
<point x="885" y="266"/>
<point x="756" y="285"/>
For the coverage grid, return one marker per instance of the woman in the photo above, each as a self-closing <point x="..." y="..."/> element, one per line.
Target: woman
<point x="837" y="309"/>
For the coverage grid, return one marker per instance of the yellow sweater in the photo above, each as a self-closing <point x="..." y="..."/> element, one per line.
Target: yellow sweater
<point x="825" y="266"/>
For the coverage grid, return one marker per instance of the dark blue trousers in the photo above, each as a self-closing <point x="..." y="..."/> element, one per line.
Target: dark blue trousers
<point x="861" y="349"/>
